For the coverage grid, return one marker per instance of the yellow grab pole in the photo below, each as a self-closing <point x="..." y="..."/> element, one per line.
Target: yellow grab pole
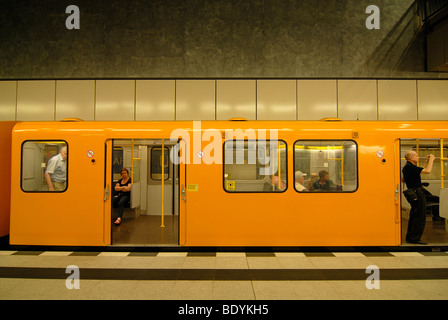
<point x="163" y="179"/>
<point x="132" y="161"/>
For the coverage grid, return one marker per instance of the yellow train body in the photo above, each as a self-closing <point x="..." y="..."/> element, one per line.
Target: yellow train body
<point x="210" y="215"/>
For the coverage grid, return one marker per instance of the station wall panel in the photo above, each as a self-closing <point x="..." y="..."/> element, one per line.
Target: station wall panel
<point x="36" y="100"/>
<point x="195" y="100"/>
<point x="432" y="99"/>
<point x="155" y="100"/>
<point x="75" y="99"/>
<point x="276" y="100"/>
<point x="397" y="100"/>
<point x="357" y="100"/>
<point x="115" y="100"/>
<point x="236" y="98"/>
<point x="316" y="99"/>
<point x="8" y="96"/>
<point x="263" y="99"/>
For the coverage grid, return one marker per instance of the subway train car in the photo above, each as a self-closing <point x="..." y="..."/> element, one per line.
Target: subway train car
<point x="215" y="183"/>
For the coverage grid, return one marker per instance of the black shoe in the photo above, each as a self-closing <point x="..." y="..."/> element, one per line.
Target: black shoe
<point x="437" y="218"/>
<point x="417" y="242"/>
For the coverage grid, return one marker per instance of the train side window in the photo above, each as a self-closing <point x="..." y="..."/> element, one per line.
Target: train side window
<point x="255" y="166"/>
<point x="44" y="166"/>
<point x="325" y="166"/>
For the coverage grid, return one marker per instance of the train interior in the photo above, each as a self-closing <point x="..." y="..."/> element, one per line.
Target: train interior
<point x="152" y="216"/>
<point x="436" y="229"/>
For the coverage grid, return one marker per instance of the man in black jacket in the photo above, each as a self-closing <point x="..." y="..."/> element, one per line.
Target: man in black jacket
<point x="412" y="178"/>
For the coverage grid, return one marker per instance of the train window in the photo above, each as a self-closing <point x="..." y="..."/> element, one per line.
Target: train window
<point x="156" y="163"/>
<point x="44" y="166"/>
<point x="325" y="166"/>
<point x="255" y="166"/>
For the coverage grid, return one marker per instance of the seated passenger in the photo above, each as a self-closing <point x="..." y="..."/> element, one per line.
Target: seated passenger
<point x="324" y="183"/>
<point x="273" y="185"/>
<point x="123" y="196"/>
<point x="299" y="181"/>
<point x="313" y="178"/>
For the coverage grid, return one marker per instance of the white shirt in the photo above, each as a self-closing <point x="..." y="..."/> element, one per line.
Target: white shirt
<point x="57" y="168"/>
<point x="299" y="187"/>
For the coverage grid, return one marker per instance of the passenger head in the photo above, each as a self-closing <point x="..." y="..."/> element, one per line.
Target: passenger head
<point x="300" y="176"/>
<point x="63" y="152"/>
<point x="125" y="172"/>
<point x="323" y="175"/>
<point x="411" y="156"/>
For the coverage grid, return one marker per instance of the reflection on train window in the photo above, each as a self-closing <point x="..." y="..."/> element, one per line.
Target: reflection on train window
<point x="117" y="162"/>
<point x="44" y="166"/>
<point x="325" y="166"/>
<point x="255" y="166"/>
<point x="156" y="163"/>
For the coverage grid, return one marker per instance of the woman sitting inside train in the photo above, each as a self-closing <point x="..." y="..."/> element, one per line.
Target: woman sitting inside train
<point x="123" y="194"/>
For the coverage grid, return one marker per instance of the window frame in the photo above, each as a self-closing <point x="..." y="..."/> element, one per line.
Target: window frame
<point x="21" y="165"/>
<point x="324" y="192"/>
<point x="261" y="192"/>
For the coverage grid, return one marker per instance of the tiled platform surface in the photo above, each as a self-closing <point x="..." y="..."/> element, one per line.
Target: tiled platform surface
<point x="203" y="275"/>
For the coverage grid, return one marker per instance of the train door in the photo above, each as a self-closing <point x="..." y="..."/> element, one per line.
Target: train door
<point x="434" y="184"/>
<point x="152" y="215"/>
<point x="397" y="198"/>
<point x="107" y="192"/>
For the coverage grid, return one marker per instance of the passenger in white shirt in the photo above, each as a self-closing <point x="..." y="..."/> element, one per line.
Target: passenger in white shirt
<point x="56" y="172"/>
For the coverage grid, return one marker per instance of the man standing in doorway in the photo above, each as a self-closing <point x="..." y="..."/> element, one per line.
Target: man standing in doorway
<point x="412" y="178"/>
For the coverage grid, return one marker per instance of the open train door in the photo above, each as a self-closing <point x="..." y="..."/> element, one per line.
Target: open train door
<point x="397" y="191"/>
<point x="182" y="177"/>
<point x="107" y="192"/>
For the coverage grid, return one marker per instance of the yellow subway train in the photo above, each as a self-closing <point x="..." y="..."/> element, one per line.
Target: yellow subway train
<point x="211" y="183"/>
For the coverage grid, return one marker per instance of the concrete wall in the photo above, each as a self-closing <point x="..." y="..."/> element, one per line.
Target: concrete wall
<point x="180" y="39"/>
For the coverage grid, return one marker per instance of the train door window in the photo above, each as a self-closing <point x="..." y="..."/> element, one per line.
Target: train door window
<point x="117" y="162"/>
<point x="325" y="166"/>
<point x="44" y="166"/>
<point x="255" y="166"/>
<point x="156" y="164"/>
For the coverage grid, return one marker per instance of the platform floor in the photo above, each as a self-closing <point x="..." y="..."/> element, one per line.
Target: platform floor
<point x="220" y="275"/>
